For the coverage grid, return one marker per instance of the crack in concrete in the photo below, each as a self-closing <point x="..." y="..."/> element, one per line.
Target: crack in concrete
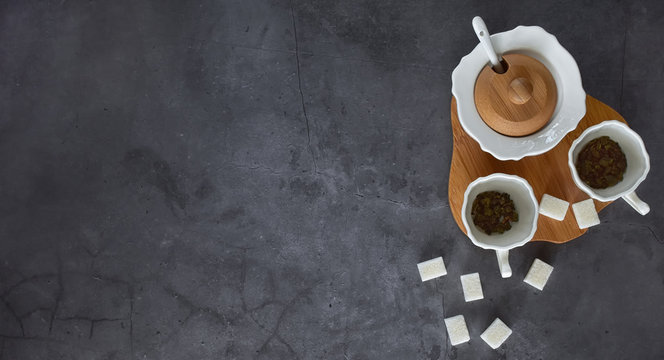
<point x="36" y="338"/>
<point x="402" y="204"/>
<point x="12" y="337"/>
<point x="365" y="327"/>
<point x="440" y="69"/>
<point x="243" y="279"/>
<point x="643" y="226"/>
<point x="131" y="322"/>
<point x="15" y="315"/>
<point x="288" y="346"/>
<point x="90" y="253"/>
<point x="274" y="333"/>
<point x="58" y="294"/>
<point x="653" y="233"/>
<point x="299" y="83"/>
<point x="92" y="321"/>
<point x="257" y="167"/>
<point x="265" y="304"/>
<point x="26" y="280"/>
<point x="58" y="299"/>
<point x="195" y="308"/>
<point x="346" y="333"/>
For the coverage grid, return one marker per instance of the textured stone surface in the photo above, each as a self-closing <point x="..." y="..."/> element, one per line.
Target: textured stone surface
<point x="254" y="179"/>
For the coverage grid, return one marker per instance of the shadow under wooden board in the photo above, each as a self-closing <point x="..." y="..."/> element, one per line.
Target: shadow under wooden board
<point x="547" y="173"/>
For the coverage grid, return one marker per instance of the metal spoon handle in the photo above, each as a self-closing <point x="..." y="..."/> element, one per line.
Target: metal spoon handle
<point x="485" y="38"/>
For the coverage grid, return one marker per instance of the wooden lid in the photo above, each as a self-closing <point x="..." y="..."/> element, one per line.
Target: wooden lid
<point x="518" y="102"/>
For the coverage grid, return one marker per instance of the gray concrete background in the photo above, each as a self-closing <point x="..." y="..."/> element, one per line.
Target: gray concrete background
<point x="258" y="180"/>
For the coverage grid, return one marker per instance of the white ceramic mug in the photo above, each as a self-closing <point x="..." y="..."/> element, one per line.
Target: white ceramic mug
<point x="521" y="232"/>
<point x="638" y="163"/>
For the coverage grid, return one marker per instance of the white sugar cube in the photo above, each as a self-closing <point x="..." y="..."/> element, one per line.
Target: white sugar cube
<point x="432" y="269"/>
<point x="472" y="287"/>
<point x="496" y="334"/>
<point x="585" y="213"/>
<point x="553" y="207"/>
<point x="457" y="330"/>
<point x="538" y="274"/>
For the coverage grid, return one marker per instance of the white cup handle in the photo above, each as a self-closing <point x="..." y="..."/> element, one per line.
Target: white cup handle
<point x="504" y="263"/>
<point x="638" y="204"/>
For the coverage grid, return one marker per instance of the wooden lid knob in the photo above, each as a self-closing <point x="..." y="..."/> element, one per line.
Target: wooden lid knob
<point x="518" y="102"/>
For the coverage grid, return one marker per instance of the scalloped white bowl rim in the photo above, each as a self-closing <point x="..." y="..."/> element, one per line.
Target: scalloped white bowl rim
<point x="570" y="106"/>
<point x="640" y="164"/>
<point x="525" y="194"/>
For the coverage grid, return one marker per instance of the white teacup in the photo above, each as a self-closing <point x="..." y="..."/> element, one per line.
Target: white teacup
<point x="638" y="163"/>
<point x="521" y="232"/>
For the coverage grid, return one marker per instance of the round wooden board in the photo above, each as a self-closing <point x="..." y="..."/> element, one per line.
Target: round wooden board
<point x="547" y="173"/>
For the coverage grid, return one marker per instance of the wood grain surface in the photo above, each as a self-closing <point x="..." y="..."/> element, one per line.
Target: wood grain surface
<point x="518" y="102"/>
<point x="547" y="173"/>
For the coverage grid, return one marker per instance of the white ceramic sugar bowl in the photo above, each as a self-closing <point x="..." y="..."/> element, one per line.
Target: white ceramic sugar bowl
<point x="570" y="105"/>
